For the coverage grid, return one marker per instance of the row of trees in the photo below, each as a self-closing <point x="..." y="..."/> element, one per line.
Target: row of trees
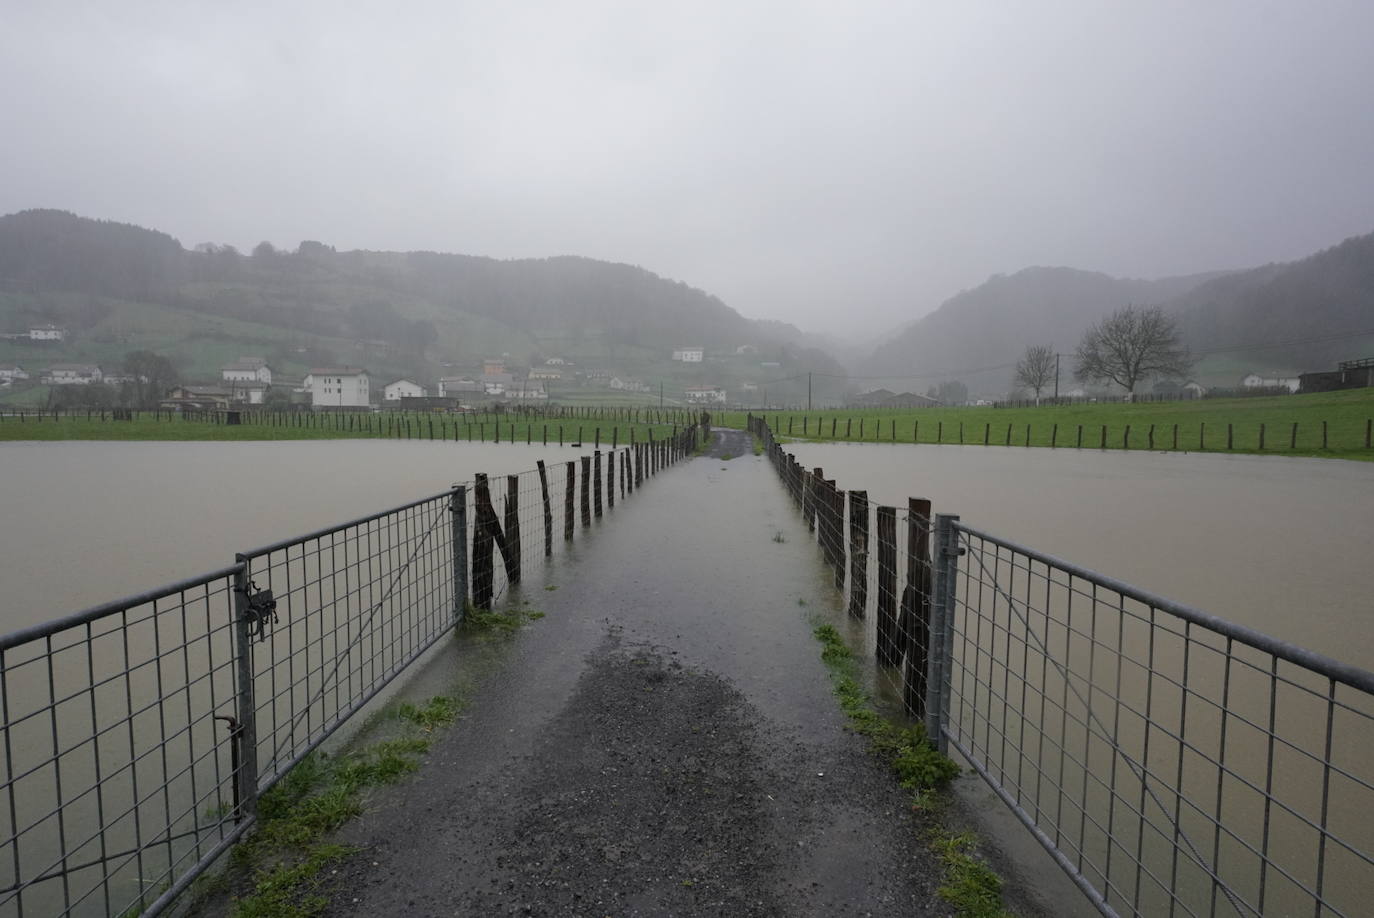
<point x="1130" y="345"/>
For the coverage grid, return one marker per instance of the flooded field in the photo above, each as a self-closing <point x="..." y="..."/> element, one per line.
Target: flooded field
<point x="1278" y="544"/>
<point x="87" y="522"/>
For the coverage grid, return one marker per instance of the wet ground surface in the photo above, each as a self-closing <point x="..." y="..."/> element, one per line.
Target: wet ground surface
<point x="663" y="742"/>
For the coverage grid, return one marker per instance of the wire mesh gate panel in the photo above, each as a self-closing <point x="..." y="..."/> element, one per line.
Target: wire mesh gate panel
<point x="119" y="773"/>
<point x="1180" y="763"/>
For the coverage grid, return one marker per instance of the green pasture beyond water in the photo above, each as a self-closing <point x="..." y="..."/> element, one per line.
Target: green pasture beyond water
<point x="1329" y="424"/>
<point x="393" y="425"/>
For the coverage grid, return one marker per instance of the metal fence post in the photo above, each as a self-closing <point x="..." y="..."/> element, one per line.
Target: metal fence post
<point x="941" y="642"/>
<point x="458" y="507"/>
<point x="246" y="780"/>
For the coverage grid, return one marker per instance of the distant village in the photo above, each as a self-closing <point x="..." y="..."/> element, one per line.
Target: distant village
<point x="251" y="380"/>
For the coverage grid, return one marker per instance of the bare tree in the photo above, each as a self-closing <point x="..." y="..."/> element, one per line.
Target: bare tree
<point x="1035" y="370"/>
<point x="1129" y="345"/>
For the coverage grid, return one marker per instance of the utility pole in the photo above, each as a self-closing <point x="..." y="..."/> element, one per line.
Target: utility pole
<point x="808" y="390"/>
<point x="660" y="396"/>
<point x="1056" y="379"/>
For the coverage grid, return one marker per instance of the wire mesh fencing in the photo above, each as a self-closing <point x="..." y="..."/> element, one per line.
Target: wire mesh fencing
<point x="139" y="734"/>
<point x="1171" y="762"/>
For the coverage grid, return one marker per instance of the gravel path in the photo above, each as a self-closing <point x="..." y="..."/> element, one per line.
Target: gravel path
<point x="663" y="743"/>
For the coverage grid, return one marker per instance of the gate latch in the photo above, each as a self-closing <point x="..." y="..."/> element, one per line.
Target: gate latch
<point x="261" y="609"/>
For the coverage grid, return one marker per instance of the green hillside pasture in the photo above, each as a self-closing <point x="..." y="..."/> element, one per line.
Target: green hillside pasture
<point x="1202" y="425"/>
<point x="334" y="426"/>
<point x="201" y="344"/>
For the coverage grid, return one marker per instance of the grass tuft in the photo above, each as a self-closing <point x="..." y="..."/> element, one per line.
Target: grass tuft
<point x="970" y="885"/>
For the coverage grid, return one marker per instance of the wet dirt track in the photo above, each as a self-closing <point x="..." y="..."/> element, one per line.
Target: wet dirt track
<point x="663" y="742"/>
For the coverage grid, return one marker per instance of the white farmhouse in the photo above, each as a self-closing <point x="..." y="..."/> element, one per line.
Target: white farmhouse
<point x="402" y="388"/>
<point x="247" y="369"/>
<point x="700" y="395"/>
<point x="339" y="387"/>
<point x="689" y="354"/>
<point x="47" y="333"/>
<point x="12" y="372"/>
<point x="73" y="374"/>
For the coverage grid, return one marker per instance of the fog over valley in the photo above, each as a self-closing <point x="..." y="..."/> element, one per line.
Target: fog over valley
<point x="844" y="169"/>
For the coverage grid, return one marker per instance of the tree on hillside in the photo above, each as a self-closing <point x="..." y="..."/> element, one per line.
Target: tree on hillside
<point x="1036" y="369"/>
<point x="1129" y="345"/>
<point x="152" y="375"/>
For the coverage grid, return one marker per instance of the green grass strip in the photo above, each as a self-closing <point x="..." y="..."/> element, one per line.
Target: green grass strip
<point x="970" y="885"/>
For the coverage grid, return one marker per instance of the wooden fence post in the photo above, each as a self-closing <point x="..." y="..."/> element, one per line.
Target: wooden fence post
<point x="596" y="482"/>
<point x="1293" y="437"/>
<point x="837" y="531"/>
<point x="486" y="533"/>
<point x="512" y="553"/>
<point x="548" y="509"/>
<point x="568" y="492"/>
<point x="1229" y="436"/>
<point x="1261" y="438"/>
<point x="586" y="491"/>
<point x="858" y="553"/>
<point x="889" y="650"/>
<point x="914" y="621"/>
<point x="610" y="478"/>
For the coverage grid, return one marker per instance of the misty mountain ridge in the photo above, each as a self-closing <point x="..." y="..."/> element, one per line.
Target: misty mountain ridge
<point x="1235" y="321"/>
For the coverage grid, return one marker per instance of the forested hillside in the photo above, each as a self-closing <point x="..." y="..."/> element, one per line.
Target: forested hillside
<point x="119" y="287"/>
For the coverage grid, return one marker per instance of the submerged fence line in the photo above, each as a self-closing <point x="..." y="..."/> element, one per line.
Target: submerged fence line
<point x="1170" y="762"/>
<point x="139" y="734"/>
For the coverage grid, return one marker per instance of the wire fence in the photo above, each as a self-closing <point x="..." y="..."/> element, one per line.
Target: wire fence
<point x="139" y="734"/>
<point x="1171" y="762"/>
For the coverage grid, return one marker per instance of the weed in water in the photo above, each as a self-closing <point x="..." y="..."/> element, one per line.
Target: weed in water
<point x="480" y="621"/>
<point x="778" y="536"/>
<point x="801" y="602"/>
<point x="439" y="711"/>
<point x="551" y="587"/>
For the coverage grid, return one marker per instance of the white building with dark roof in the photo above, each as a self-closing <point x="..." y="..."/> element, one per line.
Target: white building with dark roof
<point x="247" y="369"/>
<point x="402" y="388"/>
<point x="339" y="387"/>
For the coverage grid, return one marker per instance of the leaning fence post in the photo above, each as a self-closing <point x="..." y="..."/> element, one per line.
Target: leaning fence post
<point x="941" y="630"/>
<point x="548" y="510"/>
<point x="458" y="507"/>
<point x="246" y="780"/>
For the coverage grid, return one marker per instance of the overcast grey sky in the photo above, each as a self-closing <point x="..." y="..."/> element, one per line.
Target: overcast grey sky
<point x="845" y="166"/>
